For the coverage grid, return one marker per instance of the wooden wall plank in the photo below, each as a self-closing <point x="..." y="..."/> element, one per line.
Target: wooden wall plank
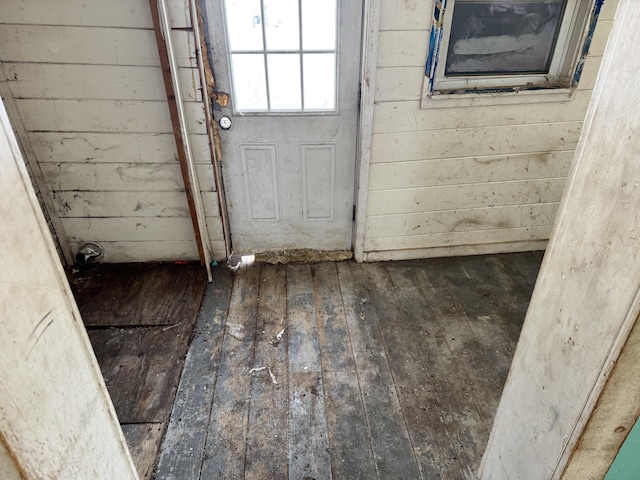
<point x="457" y="250"/>
<point x="589" y="73"/>
<point x="406" y="116"/>
<point x="121" y="229"/>
<point x="136" y="229"/>
<point x="467" y="239"/>
<point x="147" y="251"/>
<point x="424" y="223"/>
<point x="95" y="82"/>
<point x="403" y="132"/>
<point x="60" y="147"/>
<point x="475" y="141"/>
<point x="405" y="15"/>
<point x="600" y="37"/>
<point x="135" y="177"/>
<point x="406" y="48"/>
<point x="115" y="13"/>
<point x="105" y="116"/>
<point x="187" y="429"/>
<point x="398" y="83"/>
<point x="453" y="197"/>
<point x="113" y="176"/>
<point x="71" y="204"/>
<point x="94" y="46"/>
<point x="154" y="251"/>
<point x="430" y="173"/>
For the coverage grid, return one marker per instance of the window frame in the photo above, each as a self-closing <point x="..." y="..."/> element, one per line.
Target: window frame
<point x="562" y="72"/>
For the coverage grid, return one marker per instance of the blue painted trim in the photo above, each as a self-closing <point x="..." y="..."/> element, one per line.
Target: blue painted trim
<point x="587" y="42"/>
<point x="435" y="38"/>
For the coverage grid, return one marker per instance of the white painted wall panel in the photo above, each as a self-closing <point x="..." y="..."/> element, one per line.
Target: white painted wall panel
<point x="96" y="82"/>
<point x="89" y="45"/>
<point x="454" y="197"/>
<point x="474" y="141"/>
<point x="491" y="218"/>
<point x="469" y="170"/>
<point x="114" y="13"/>
<point x="122" y="116"/>
<point x="71" y="147"/>
<point x="406" y="48"/>
<point x="405" y="15"/>
<point x="468" y="239"/>
<point x="429" y="167"/>
<point x="71" y="204"/>
<point x="406" y="116"/>
<point x="90" y="94"/>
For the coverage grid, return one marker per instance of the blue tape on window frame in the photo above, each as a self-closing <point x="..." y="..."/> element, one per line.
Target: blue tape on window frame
<point x="435" y="38"/>
<point x="587" y="42"/>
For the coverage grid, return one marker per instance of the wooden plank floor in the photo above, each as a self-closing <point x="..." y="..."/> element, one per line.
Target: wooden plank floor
<point x="140" y="318"/>
<point x="388" y="370"/>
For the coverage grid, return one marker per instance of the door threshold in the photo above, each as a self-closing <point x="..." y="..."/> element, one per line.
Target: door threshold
<point x="303" y="255"/>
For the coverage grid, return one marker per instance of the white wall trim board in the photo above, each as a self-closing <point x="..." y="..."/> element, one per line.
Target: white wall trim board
<point x="587" y="297"/>
<point x="370" y="29"/>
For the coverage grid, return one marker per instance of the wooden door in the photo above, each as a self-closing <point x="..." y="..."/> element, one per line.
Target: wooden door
<point x="292" y="70"/>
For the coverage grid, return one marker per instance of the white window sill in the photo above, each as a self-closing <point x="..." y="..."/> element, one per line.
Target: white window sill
<point x="443" y="100"/>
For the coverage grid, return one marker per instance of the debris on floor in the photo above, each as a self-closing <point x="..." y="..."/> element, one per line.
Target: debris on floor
<point x="277" y="338"/>
<point x="236" y="330"/>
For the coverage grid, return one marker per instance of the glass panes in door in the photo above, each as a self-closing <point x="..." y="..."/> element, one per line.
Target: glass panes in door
<point x="283" y="54"/>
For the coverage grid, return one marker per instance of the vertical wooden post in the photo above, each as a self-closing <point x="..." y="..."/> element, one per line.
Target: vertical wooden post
<point x="587" y="296"/>
<point x="176" y="109"/>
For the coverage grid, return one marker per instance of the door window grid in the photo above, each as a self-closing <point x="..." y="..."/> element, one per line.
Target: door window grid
<point x="281" y="64"/>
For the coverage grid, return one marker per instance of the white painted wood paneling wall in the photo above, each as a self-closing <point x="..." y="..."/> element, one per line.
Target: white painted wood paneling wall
<point x="89" y="93"/>
<point x="56" y="418"/>
<point x="463" y="180"/>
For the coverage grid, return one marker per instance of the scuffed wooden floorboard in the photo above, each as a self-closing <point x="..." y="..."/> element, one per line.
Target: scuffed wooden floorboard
<point x="144" y="440"/>
<point x="389" y="437"/>
<point x="350" y="447"/>
<point x="225" y="449"/>
<point x="308" y="438"/>
<point x="267" y="441"/>
<point x="134" y="294"/>
<point x="184" y="442"/>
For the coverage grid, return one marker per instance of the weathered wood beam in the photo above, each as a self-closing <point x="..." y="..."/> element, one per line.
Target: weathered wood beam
<point x="169" y="72"/>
